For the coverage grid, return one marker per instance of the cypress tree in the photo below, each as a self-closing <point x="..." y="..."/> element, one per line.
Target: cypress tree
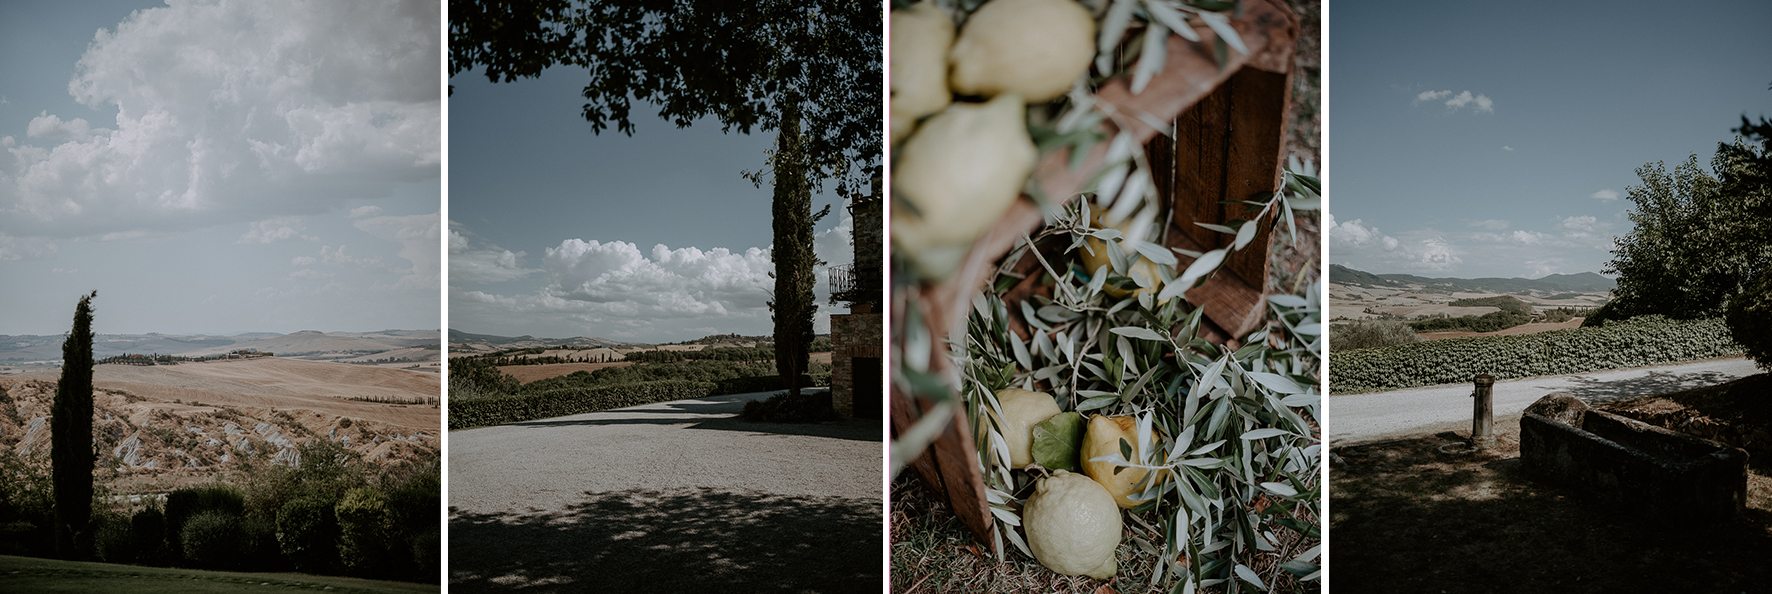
<point x="793" y="253"/>
<point x="71" y="434"/>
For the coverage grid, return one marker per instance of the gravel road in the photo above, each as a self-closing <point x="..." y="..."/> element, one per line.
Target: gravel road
<point x="669" y="497"/>
<point x="1361" y="418"/>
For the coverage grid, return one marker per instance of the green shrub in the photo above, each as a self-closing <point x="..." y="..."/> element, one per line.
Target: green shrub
<point x="569" y="401"/>
<point x="1750" y="320"/>
<point x="259" y="549"/>
<point x="1645" y="340"/>
<point x="184" y="504"/>
<point x="27" y="507"/>
<point x="1489" y="322"/>
<point x="147" y="535"/>
<point x="307" y="534"/>
<point x="427" y="552"/>
<point x="1505" y="302"/>
<point x="1367" y="334"/>
<point x="365" y="524"/>
<point x="111" y="540"/>
<point x="213" y="539"/>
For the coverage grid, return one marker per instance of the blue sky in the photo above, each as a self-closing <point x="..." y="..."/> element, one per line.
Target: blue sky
<point x="556" y="232"/>
<point x="1472" y="139"/>
<point x="220" y="168"/>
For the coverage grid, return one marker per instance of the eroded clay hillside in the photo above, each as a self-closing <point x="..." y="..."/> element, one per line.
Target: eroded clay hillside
<point x="172" y="423"/>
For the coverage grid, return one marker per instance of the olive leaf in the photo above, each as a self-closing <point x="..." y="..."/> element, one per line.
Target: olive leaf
<point x="1058" y="440"/>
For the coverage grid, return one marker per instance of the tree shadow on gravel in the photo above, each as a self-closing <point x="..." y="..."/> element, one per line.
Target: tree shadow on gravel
<point x="849" y="429"/>
<point x="1595" y="392"/>
<point x="1406" y="518"/>
<point x="701" y="540"/>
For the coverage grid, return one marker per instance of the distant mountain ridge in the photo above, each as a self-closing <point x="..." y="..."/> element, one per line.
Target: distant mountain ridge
<point x="527" y="341"/>
<point x="49" y="347"/>
<point x="1585" y="282"/>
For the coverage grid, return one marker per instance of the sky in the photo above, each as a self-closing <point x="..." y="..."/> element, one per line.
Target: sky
<point x="1501" y="139"/>
<point x="557" y="232"/>
<point x="220" y="167"/>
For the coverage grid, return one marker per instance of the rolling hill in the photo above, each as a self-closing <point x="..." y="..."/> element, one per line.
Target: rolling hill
<point x="1585" y="282"/>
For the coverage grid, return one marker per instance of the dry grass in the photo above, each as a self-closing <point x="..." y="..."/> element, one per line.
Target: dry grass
<point x="933" y="552"/>
<point x="1405" y="517"/>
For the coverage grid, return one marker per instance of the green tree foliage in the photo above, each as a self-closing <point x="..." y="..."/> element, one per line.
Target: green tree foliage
<point x="1366" y="334"/>
<point x="147" y="534"/>
<point x="71" y="432"/>
<point x="735" y="60"/>
<point x="213" y="539"/>
<point x="184" y="504"/>
<point x="1750" y="321"/>
<point x="366" y="527"/>
<point x="793" y="255"/>
<point x="473" y="377"/>
<point x="307" y="533"/>
<point x="1698" y="240"/>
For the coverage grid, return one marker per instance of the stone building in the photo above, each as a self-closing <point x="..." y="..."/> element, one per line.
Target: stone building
<point x="857" y="339"/>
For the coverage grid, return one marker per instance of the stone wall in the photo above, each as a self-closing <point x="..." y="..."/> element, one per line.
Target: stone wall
<point x="1673" y="478"/>
<point x="855" y="335"/>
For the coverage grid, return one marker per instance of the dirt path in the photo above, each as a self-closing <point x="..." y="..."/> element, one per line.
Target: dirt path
<point x="669" y="497"/>
<point x="1358" y="418"/>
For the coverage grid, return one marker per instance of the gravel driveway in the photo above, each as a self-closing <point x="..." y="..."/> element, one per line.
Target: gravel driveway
<point x="671" y="497"/>
<point x="1361" y="418"/>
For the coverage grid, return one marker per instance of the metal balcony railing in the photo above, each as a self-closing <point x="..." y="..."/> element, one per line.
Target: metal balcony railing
<point x="855" y="285"/>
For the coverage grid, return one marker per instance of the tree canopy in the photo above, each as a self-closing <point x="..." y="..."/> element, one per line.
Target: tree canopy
<point x="739" y="61"/>
<point x="1700" y="238"/>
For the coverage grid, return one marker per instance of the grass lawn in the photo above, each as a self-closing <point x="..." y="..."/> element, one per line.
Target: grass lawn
<point x="1405" y="517"/>
<point x="30" y="574"/>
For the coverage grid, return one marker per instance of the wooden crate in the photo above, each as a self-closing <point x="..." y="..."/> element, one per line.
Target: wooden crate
<point x="1229" y="129"/>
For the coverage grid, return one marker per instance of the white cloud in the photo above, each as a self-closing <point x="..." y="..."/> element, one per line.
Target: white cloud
<point x="1583" y="224"/>
<point x="18" y="249"/>
<point x="275" y="230"/>
<point x="302" y="260"/>
<point x="309" y="273"/>
<point x="365" y="211"/>
<point x="1490" y="224"/>
<point x="338" y="257"/>
<point x="53" y="128"/>
<point x="418" y="236"/>
<point x="1419" y="251"/>
<point x="484" y="264"/>
<point x="1607" y="195"/>
<point x="233" y="112"/>
<point x="1507" y="148"/>
<point x="1483" y="103"/>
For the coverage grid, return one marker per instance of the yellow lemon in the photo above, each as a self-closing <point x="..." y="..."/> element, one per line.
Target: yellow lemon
<point x="1102" y="438"/>
<point x="955" y="177"/>
<point x="1033" y="48"/>
<point x="1021" y="411"/>
<point x="1073" y="526"/>
<point x="921" y="36"/>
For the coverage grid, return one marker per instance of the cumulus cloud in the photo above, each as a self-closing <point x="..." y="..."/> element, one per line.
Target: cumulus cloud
<point x="53" y="128"/>
<point x="1482" y="103"/>
<point x="1419" y="251"/>
<point x="275" y="230"/>
<point x="338" y="257"/>
<point x="365" y="211"/>
<point x="232" y="112"/>
<point x="1607" y="195"/>
<point x="302" y="260"/>
<point x="309" y="273"/>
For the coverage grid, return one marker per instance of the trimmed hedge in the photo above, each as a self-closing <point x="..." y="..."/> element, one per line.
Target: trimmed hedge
<point x="184" y="504"/>
<point x="1645" y="340"/>
<point x="482" y="412"/>
<point x="770" y="383"/>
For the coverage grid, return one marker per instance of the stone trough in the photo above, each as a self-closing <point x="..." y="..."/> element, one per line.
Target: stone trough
<point x="1671" y="477"/>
